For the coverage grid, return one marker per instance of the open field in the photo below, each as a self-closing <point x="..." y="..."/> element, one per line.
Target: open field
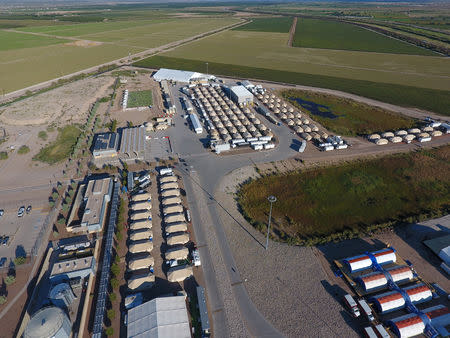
<point x="60" y="149"/>
<point x="27" y="66"/>
<point x="276" y="25"/>
<point x="316" y="33"/>
<point x="265" y="50"/>
<point x="351" y="196"/>
<point x="142" y="98"/>
<point x="14" y="40"/>
<point x="346" y="117"/>
<point x="407" y="96"/>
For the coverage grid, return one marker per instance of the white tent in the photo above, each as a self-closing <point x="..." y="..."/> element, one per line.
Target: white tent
<point x="176" y="227"/>
<point x="178" y="239"/>
<point x="179" y="75"/>
<point x="179" y="273"/>
<point x="141" y="224"/>
<point x="177" y="253"/>
<point x="139" y="235"/>
<point x="141" y="263"/>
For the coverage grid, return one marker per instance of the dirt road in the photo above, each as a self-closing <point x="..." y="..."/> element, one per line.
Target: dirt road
<point x="292" y="32"/>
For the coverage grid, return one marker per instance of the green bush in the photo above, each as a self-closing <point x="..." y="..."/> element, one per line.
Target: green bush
<point x="3" y="300"/>
<point x="43" y="135"/>
<point x="23" y="150"/>
<point x="109" y="331"/>
<point x="115" y="269"/>
<point x="55" y="196"/>
<point x="19" y="260"/>
<point x="65" y="207"/>
<point x="112" y="297"/>
<point x="61" y="220"/>
<point x="114" y="283"/>
<point x="111" y="314"/>
<point x="3" y="155"/>
<point x="10" y="280"/>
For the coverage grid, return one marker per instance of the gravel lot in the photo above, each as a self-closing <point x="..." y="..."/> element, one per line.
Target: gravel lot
<point x="287" y="284"/>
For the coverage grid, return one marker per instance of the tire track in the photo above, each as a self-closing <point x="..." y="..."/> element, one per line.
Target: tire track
<point x="292" y="32"/>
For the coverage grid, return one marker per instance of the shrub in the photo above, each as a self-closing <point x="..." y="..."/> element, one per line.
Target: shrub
<point x="10" y="280"/>
<point x="61" y="220"/>
<point x="3" y="155"/>
<point x="3" y="300"/>
<point x="23" y="150"/>
<point x="119" y="236"/>
<point x="68" y="200"/>
<point x="19" y="260"/>
<point x="43" y="135"/>
<point x="112" y="297"/>
<point x="114" y="283"/>
<point x="109" y="331"/>
<point x="115" y="270"/>
<point x="55" y="196"/>
<point x="111" y="314"/>
<point x="65" y="207"/>
<point x="51" y="204"/>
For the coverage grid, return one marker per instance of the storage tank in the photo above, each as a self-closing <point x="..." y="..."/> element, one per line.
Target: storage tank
<point x="409" y="325"/>
<point x="381" y="142"/>
<point x="62" y="295"/>
<point x="387" y="134"/>
<point x="49" y="322"/>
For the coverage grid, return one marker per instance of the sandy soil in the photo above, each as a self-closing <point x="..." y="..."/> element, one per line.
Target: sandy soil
<point x="66" y="104"/>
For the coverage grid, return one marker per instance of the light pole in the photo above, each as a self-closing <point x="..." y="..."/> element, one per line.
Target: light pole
<point x="207" y="69"/>
<point x="271" y="199"/>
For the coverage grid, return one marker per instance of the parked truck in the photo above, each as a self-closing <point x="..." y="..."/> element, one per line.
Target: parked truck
<point x="366" y="309"/>
<point x="351" y="304"/>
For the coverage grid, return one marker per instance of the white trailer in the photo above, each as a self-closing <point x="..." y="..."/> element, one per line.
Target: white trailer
<point x="366" y="309"/>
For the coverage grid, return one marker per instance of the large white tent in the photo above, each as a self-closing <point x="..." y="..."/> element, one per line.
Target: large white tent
<point x="179" y="75"/>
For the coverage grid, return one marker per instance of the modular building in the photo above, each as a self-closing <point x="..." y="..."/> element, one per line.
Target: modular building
<point x="394" y="300"/>
<point x="132" y="145"/>
<point x="74" y="268"/>
<point x="204" y="319"/>
<point x="196" y="125"/>
<point x="160" y="317"/>
<point x="362" y="262"/>
<point x="105" y="146"/>
<point x="241" y="95"/>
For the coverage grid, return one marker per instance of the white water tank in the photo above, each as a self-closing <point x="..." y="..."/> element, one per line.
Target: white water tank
<point x="49" y="322"/>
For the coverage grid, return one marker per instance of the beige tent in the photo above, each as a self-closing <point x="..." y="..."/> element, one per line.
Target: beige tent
<point x="179" y="273"/>
<point x="177" y="253"/>
<point x="178" y="239"/>
<point x="174" y="218"/>
<point x="141" y="197"/>
<point x="170" y="185"/>
<point x="144" y="281"/>
<point x="167" y="179"/>
<point x="141" y="246"/>
<point x="143" y="234"/>
<point x="141" y="215"/>
<point x="141" y="263"/>
<point x="172" y="209"/>
<point x="141" y="224"/>
<point x="171" y="192"/>
<point x="176" y="227"/>
<point x="171" y="200"/>
<point x="141" y="206"/>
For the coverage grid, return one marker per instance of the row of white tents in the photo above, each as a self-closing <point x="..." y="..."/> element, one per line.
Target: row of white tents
<point x="175" y="227"/>
<point x="140" y="242"/>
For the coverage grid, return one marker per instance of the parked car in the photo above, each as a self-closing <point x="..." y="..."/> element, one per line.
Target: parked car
<point x="29" y="209"/>
<point x="2" y="212"/>
<point x="21" y="211"/>
<point x="2" y="262"/>
<point x="5" y="240"/>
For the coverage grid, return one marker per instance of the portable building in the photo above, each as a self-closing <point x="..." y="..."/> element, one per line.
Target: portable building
<point x="175" y="239"/>
<point x="170" y="193"/>
<point x="172" y="209"/>
<point x="141" y="246"/>
<point x="179" y="273"/>
<point x="357" y="263"/>
<point x="142" y="234"/>
<point x="141" y="224"/>
<point x="141" y="215"/>
<point x="389" y="301"/>
<point x="385" y="256"/>
<point x="176" y="227"/>
<point x="177" y="253"/>
<point x="381" y="142"/>
<point x="419" y="293"/>
<point x="140" y="282"/>
<point x="141" y="197"/>
<point x="174" y="218"/>
<point x="169" y="185"/>
<point x="399" y="274"/>
<point x="141" y="263"/>
<point x="372" y="281"/>
<point x="167" y="179"/>
<point x="409" y="325"/>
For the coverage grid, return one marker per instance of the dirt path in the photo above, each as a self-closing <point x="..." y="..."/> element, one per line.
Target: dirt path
<point x="292" y="32"/>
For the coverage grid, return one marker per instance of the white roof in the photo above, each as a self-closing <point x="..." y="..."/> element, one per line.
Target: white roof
<point x="445" y="255"/>
<point x="241" y="91"/>
<point x="178" y="75"/>
<point x="160" y="317"/>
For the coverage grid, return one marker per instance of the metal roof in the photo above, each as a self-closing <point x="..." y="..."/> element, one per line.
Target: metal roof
<point x="133" y="141"/>
<point x="178" y="75"/>
<point x="46" y="322"/>
<point x="160" y="317"/>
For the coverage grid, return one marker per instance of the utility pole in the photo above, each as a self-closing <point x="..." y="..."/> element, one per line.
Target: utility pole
<point x="272" y="199"/>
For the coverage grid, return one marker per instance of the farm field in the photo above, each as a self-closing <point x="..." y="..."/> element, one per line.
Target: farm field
<point x="277" y="25"/>
<point x="265" y="50"/>
<point x="142" y="98"/>
<point x="27" y="66"/>
<point x="346" y="117"/>
<point x="13" y="40"/>
<point x="407" y="96"/>
<point x="316" y="33"/>
<point x="61" y="148"/>
<point x="351" y="196"/>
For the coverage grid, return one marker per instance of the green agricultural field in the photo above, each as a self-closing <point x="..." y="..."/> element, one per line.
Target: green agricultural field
<point x="344" y="116"/>
<point x="352" y="196"/>
<point x="142" y="98"/>
<point x="276" y="25"/>
<point x="13" y="40"/>
<point x="428" y="99"/>
<point x="316" y="33"/>
<point x="61" y="148"/>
